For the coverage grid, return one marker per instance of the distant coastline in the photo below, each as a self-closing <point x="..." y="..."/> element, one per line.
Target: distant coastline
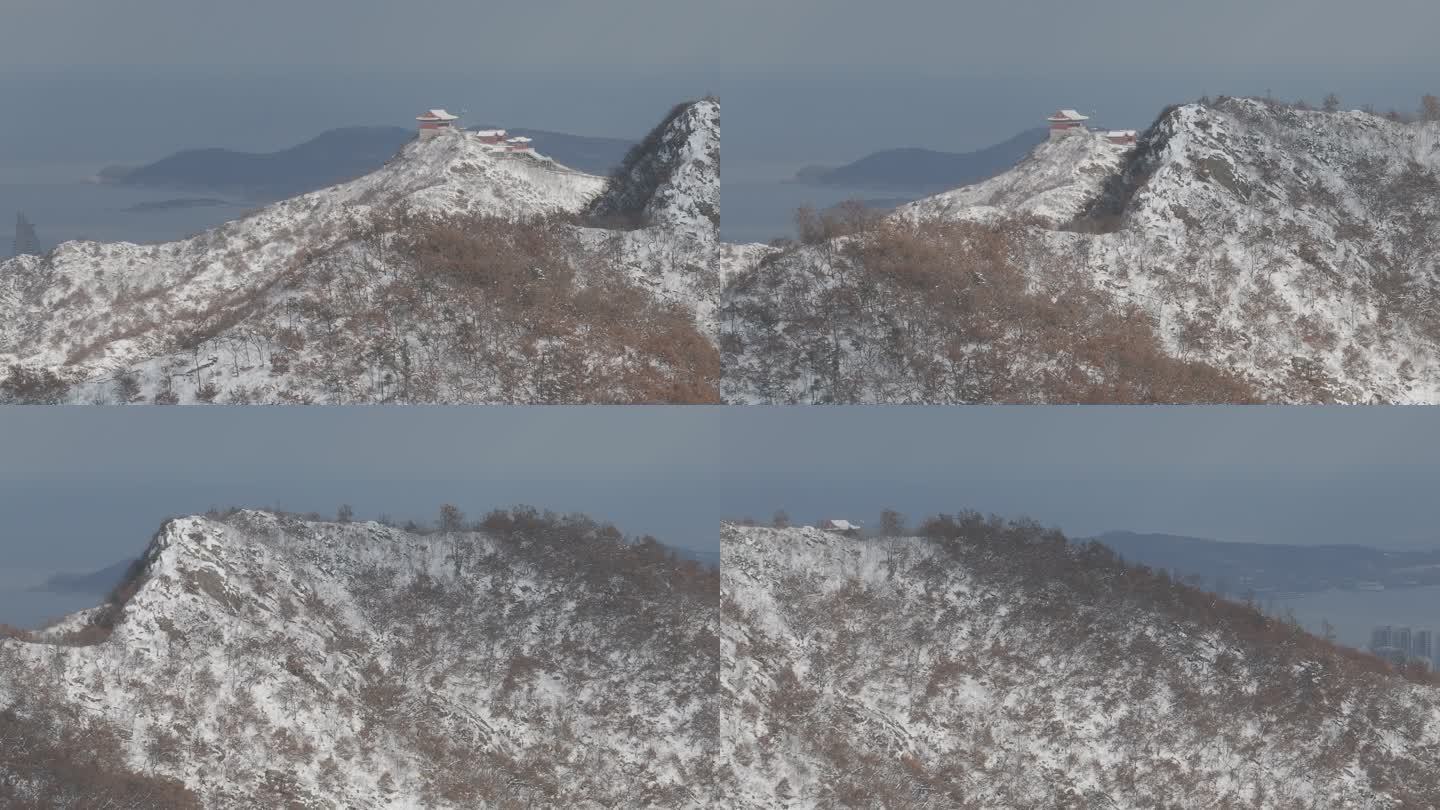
<point x="177" y="203"/>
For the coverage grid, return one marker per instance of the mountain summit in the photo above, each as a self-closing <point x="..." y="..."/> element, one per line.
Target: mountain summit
<point x="672" y="177"/>
<point x="458" y="272"/>
<point x="1243" y="249"/>
<point x="266" y="660"/>
<point x="993" y="664"/>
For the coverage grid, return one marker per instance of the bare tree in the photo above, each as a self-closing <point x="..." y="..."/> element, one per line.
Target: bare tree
<point x="451" y="518"/>
<point x="892" y="523"/>
<point x="1430" y="107"/>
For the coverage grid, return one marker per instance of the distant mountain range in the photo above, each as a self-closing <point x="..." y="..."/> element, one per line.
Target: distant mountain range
<point x="710" y="558"/>
<point x="1265" y="568"/>
<point x="96" y="582"/>
<point x="329" y="158"/>
<point x="924" y="169"/>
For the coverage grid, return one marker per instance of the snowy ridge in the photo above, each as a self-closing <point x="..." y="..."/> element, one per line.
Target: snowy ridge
<point x="269" y="659"/>
<point x="671" y="187"/>
<point x="689" y="198"/>
<point x="995" y="670"/>
<point x="310" y="283"/>
<point x="121" y="295"/>
<point x="1291" y="250"/>
<point x="1290" y="246"/>
<point x="672" y="179"/>
<point x="1054" y="184"/>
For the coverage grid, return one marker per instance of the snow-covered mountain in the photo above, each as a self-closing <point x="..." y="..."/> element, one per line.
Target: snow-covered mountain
<point x="672" y="177"/>
<point x="992" y="664"/>
<point x="660" y="211"/>
<point x="264" y="660"/>
<point x="1291" y="250"/>
<point x="389" y="288"/>
<point x="1058" y="179"/>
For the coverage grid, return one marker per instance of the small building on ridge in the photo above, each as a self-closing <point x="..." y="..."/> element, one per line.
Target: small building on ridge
<point x="1064" y="122"/>
<point x="433" y="122"/>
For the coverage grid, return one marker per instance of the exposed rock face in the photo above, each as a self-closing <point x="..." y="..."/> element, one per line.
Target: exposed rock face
<point x="672" y="177"/>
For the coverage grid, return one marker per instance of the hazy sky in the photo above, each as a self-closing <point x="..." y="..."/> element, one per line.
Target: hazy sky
<point x="803" y="81"/>
<point x="1039" y="35"/>
<point x="1055" y="35"/>
<point x="360" y="32"/>
<point x="81" y="488"/>
<point x="1236" y="473"/>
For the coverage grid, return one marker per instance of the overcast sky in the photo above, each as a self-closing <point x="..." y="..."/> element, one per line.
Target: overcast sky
<point x="412" y="34"/>
<point x="1042" y="35"/>
<point x="804" y="81"/>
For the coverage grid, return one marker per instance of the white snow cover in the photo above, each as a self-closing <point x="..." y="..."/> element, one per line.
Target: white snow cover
<point x="69" y="299"/>
<point x="1295" y="249"/>
<point x="90" y="311"/>
<point x="1055" y="183"/>
<point x="379" y="668"/>
<point x="678" y="253"/>
<point x="892" y="673"/>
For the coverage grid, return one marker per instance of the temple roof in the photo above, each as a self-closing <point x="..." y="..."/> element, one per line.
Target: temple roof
<point x="436" y="115"/>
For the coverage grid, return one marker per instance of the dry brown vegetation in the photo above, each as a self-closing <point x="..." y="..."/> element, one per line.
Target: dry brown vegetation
<point x="452" y="669"/>
<point x="984" y="666"/>
<point x="24" y="385"/>
<point x="1093" y="571"/>
<point x="940" y="312"/>
<point x="406" y="307"/>
<point x="414" y="309"/>
<point x="49" y="764"/>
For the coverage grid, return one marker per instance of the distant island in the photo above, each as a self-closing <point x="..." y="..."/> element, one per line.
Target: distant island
<point x="95" y="582"/>
<point x="874" y="203"/>
<point x="1272" y="569"/>
<point x="914" y="169"/>
<point x="332" y="157"/>
<point x="178" y="202"/>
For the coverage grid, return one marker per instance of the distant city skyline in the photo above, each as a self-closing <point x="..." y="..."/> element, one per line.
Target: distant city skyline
<point x="1403" y="644"/>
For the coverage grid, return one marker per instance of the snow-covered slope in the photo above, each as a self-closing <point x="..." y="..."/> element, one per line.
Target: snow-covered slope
<point x="269" y="661"/>
<point x="1054" y="184"/>
<point x="1297" y="247"/>
<point x="660" y="212"/>
<point x="672" y="177"/>
<point x="172" y="316"/>
<point x="1295" y="250"/>
<point x="994" y="666"/>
